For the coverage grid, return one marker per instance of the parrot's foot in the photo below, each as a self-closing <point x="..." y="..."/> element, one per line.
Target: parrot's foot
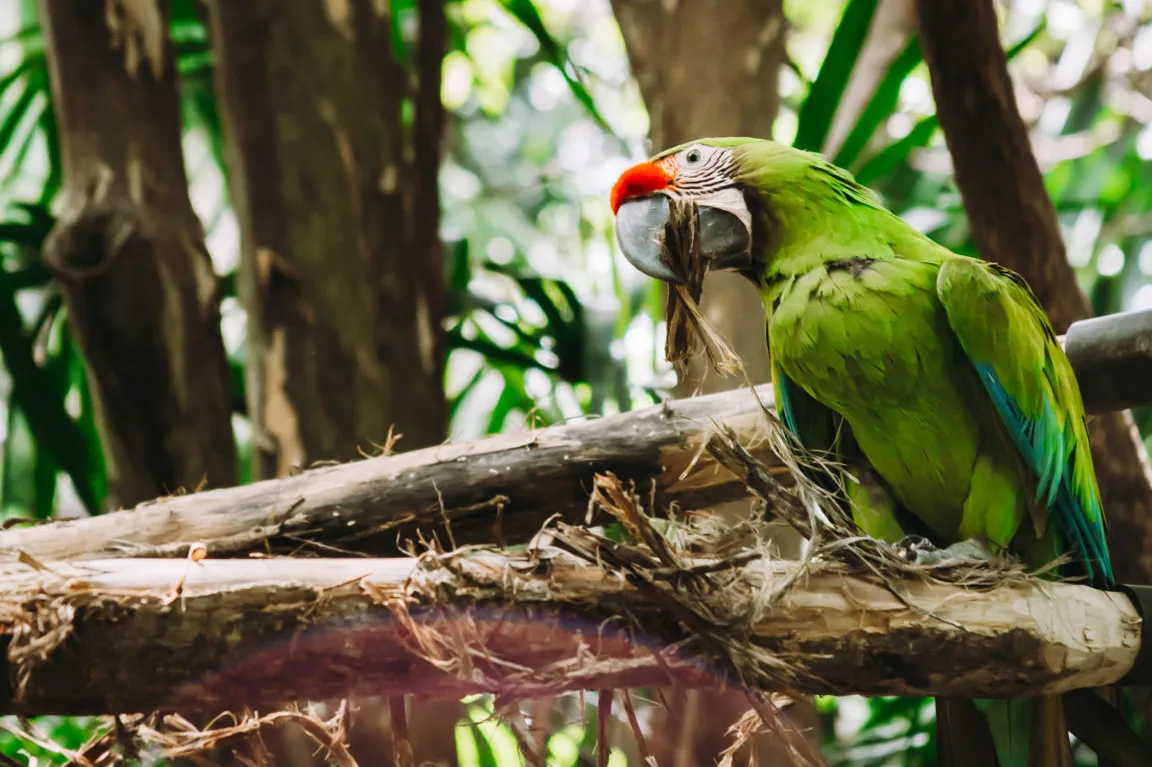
<point x="920" y="551"/>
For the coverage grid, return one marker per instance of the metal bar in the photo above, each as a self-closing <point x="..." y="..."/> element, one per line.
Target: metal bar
<point x="1112" y="357"/>
<point x="1141" y="597"/>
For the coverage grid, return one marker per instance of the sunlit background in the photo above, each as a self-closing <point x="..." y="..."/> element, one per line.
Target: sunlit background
<point x="548" y="322"/>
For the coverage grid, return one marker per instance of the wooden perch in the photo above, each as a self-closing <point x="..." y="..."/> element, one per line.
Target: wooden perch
<point x="107" y="636"/>
<point x="500" y="488"/>
<point x="497" y="488"/>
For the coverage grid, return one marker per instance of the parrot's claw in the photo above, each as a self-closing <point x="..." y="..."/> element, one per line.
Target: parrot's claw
<point x="912" y="547"/>
<point x="918" y="550"/>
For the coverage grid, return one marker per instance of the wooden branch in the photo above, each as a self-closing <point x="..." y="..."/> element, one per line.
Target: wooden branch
<point x="500" y="488"/>
<point x="1125" y="340"/>
<point x="110" y="636"/>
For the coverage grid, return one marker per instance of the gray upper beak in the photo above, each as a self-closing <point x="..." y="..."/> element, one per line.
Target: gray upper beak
<point x="725" y="240"/>
<point x="640" y="231"/>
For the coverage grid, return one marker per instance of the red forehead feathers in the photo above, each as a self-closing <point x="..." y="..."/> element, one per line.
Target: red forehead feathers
<point x="639" y="180"/>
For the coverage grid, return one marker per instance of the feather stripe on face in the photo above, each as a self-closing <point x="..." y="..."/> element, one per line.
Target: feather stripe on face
<point x="712" y="174"/>
<point x="697" y="171"/>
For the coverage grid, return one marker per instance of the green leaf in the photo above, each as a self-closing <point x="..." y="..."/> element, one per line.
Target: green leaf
<point x="397" y="11"/>
<point x="509" y="398"/>
<point x="51" y="135"/>
<point x="536" y="289"/>
<point x="26" y="65"/>
<point x="15" y="492"/>
<point x="819" y="108"/>
<point x="486" y="756"/>
<point x="494" y="353"/>
<point x="1014" y="49"/>
<point x="46" y="467"/>
<point x="42" y="400"/>
<point x="24" y="236"/>
<point x="1087" y="101"/>
<point x="16" y="116"/>
<point x="526" y="12"/>
<point x="29" y="471"/>
<point x="39" y="215"/>
<point x="454" y="405"/>
<point x="882" y="104"/>
<point x="29" y="35"/>
<point x="512" y="396"/>
<point x="890" y="157"/>
<point x="459" y="263"/>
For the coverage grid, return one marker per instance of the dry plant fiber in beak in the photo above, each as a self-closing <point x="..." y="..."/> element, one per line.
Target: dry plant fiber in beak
<point x="688" y="329"/>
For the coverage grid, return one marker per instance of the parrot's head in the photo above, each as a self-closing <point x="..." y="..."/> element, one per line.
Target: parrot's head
<point x="731" y="180"/>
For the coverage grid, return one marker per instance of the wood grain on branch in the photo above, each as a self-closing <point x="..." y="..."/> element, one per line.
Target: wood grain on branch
<point x="498" y="488"/>
<point x="107" y="636"/>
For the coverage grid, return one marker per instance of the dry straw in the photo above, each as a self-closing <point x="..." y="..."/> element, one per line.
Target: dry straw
<point x="688" y="330"/>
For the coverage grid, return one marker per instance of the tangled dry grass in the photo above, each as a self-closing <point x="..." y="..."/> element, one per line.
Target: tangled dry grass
<point x="688" y="330"/>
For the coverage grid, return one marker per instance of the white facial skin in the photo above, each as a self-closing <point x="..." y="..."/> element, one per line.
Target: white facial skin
<point x="704" y="174"/>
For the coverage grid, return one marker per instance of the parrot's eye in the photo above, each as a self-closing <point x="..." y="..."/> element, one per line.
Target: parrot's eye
<point x="692" y="156"/>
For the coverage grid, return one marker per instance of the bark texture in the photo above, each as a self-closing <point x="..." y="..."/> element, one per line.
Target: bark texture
<point x="128" y="252"/>
<point x="1014" y="223"/>
<point x="500" y="488"/>
<point x="341" y="267"/>
<point x="263" y="632"/>
<point x="337" y="204"/>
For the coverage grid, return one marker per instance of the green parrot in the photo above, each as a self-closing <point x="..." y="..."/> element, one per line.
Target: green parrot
<point x="938" y="376"/>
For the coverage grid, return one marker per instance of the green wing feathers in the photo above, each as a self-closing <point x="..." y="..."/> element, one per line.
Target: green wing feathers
<point x="1006" y="336"/>
<point x="821" y="430"/>
<point x="812" y="424"/>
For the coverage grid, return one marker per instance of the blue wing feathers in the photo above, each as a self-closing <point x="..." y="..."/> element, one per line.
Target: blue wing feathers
<point x="1044" y="445"/>
<point x="784" y="406"/>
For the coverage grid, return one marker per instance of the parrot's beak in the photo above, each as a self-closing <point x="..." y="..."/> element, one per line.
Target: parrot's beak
<point x="725" y="233"/>
<point x="640" y="231"/>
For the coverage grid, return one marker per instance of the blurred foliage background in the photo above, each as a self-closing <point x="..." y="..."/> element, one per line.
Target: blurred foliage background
<point x="545" y="320"/>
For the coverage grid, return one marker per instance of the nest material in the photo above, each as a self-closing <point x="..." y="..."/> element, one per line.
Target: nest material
<point x="688" y="330"/>
<point x="706" y="598"/>
<point x="663" y="553"/>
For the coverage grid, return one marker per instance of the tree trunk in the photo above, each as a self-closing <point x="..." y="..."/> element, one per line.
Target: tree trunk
<point x="1014" y="223"/>
<point x="129" y="255"/>
<point x="341" y="265"/>
<point x="710" y="68"/>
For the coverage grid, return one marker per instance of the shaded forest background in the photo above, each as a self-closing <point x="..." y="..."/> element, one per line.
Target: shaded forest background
<point x="240" y="238"/>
